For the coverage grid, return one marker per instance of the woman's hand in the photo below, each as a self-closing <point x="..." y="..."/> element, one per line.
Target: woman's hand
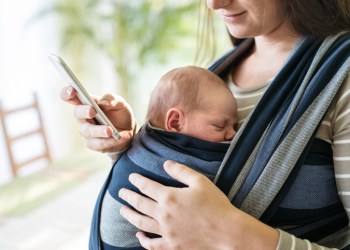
<point x="182" y="216"/>
<point x="99" y="137"/>
<point x="196" y="217"/>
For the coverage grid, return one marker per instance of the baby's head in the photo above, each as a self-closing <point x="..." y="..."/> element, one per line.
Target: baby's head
<point x="193" y="101"/>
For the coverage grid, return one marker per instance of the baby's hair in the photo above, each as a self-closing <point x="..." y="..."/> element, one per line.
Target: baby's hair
<point x="180" y="88"/>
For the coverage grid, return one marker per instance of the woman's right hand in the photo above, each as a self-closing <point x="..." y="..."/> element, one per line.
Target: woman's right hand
<point x="99" y="137"/>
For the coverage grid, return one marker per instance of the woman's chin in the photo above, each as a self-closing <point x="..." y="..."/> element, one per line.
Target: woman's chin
<point x="239" y="34"/>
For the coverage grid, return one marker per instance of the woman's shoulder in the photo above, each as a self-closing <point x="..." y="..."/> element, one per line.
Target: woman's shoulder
<point x="336" y="120"/>
<point x="341" y="101"/>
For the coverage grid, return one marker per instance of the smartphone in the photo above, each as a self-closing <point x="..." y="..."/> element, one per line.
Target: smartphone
<point x="82" y="94"/>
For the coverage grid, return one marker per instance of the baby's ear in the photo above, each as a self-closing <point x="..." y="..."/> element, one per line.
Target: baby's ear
<point x="173" y="120"/>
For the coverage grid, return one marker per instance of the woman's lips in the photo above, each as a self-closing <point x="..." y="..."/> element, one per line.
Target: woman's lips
<point x="234" y="17"/>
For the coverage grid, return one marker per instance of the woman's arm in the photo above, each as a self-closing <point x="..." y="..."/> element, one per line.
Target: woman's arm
<point x="99" y="137"/>
<point x="197" y="217"/>
<point x="339" y="123"/>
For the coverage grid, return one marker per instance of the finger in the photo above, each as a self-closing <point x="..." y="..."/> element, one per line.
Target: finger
<point x="68" y="94"/>
<point x="84" y="112"/>
<point x="92" y="130"/>
<point x="141" y="203"/>
<point x="95" y="98"/>
<point x="182" y="173"/>
<point x="103" y="144"/>
<point x="148" y="243"/>
<point x="147" y="186"/>
<point x="140" y="221"/>
<point x="89" y="130"/>
<point x="110" y="144"/>
<point x="112" y="102"/>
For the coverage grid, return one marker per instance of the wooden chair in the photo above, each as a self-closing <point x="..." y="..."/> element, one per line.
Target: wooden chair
<point x="15" y="165"/>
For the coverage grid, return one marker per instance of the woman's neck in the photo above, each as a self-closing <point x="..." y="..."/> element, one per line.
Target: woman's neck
<point x="264" y="62"/>
<point x="267" y="57"/>
<point x="270" y="48"/>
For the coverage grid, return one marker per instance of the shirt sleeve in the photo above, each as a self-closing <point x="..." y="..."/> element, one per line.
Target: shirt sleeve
<point x="288" y="241"/>
<point x="340" y="127"/>
<point x="337" y="122"/>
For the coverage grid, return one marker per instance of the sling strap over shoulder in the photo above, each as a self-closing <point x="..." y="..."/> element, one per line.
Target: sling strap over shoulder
<point x="284" y="121"/>
<point x="275" y="140"/>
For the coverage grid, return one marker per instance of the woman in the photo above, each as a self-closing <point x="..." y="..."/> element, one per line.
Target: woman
<point x="293" y="66"/>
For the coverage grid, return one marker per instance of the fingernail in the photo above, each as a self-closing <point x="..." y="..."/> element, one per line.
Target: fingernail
<point x="121" y="210"/>
<point x="103" y="102"/>
<point x="69" y="91"/>
<point x="88" y="113"/>
<point x="105" y="131"/>
<point x="132" y="177"/>
<point x="121" y="193"/>
<point x="169" y="163"/>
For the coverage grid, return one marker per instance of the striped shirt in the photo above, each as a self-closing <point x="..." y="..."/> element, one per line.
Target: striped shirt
<point x="334" y="129"/>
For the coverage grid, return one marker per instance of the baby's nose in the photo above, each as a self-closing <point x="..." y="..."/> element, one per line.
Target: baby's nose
<point x="230" y="134"/>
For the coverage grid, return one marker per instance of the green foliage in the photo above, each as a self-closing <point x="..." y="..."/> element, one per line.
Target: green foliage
<point x="134" y="32"/>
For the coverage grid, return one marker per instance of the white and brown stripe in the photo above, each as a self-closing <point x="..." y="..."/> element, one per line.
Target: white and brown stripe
<point x="334" y="129"/>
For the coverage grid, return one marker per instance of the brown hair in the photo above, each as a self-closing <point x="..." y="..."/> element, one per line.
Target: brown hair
<point x="179" y="88"/>
<point x="206" y="37"/>
<point x="316" y="18"/>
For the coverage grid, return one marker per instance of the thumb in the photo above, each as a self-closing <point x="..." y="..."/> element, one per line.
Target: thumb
<point x="182" y="173"/>
<point x="112" y="102"/>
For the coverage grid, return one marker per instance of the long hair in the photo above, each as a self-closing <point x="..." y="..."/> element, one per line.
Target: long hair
<point x="205" y="35"/>
<point x="316" y="18"/>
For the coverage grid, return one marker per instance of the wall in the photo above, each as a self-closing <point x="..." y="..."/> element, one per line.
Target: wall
<point x="24" y="69"/>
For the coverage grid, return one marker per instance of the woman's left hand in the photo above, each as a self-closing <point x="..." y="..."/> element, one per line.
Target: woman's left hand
<point x="194" y="217"/>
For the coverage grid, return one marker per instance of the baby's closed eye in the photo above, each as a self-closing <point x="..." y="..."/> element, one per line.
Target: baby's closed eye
<point x="218" y="125"/>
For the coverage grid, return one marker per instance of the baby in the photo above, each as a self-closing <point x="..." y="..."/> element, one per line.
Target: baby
<point x="190" y="114"/>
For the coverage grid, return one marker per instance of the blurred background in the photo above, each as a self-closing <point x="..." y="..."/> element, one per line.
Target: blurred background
<point x="49" y="180"/>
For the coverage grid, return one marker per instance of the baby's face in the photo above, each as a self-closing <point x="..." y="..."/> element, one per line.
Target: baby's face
<point x="216" y="120"/>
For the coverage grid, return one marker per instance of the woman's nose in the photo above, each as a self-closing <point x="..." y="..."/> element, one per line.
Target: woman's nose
<point x="217" y="4"/>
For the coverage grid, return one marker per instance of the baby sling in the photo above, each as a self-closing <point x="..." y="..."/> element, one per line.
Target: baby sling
<point x="269" y="152"/>
<point x="151" y="147"/>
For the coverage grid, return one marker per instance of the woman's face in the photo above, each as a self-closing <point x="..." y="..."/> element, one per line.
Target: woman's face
<point x="249" y="18"/>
